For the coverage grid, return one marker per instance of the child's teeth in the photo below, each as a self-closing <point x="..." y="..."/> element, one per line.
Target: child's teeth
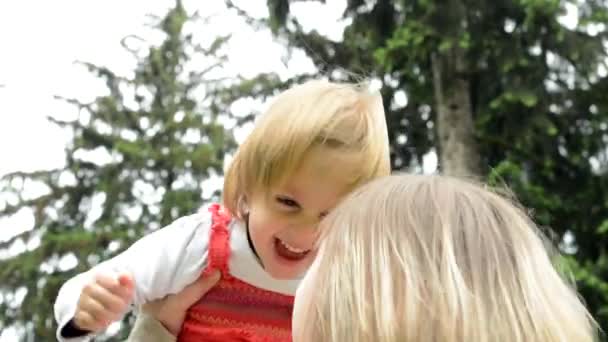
<point x="292" y="249"/>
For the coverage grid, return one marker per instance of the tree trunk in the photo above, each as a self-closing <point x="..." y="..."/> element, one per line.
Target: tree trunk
<point x="458" y="154"/>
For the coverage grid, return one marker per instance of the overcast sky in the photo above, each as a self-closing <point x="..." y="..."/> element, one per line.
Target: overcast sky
<point x="40" y="41"/>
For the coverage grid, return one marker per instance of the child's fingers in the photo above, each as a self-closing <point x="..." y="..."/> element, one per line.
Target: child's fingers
<point x="86" y="321"/>
<point x="92" y="307"/>
<point x="108" y="282"/>
<point x="126" y="281"/>
<point x="111" y="302"/>
<point x="114" y="286"/>
<point x="83" y="320"/>
<point x="96" y="310"/>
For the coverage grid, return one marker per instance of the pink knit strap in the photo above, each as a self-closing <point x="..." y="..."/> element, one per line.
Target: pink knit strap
<point x="219" y="241"/>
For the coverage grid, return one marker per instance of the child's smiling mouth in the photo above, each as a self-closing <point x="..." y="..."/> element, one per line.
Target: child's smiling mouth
<point x="289" y="252"/>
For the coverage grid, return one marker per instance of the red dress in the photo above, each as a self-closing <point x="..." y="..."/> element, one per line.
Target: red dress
<point x="234" y="310"/>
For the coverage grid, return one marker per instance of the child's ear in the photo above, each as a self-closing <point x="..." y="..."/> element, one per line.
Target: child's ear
<point x="243" y="206"/>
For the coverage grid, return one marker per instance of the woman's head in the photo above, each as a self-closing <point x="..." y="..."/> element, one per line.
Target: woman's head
<point x="316" y="142"/>
<point x="432" y="258"/>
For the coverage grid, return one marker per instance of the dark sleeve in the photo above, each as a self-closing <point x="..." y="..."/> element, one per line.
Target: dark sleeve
<point x="71" y="330"/>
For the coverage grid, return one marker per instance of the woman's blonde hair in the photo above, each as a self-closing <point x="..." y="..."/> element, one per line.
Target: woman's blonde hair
<point x="430" y="258"/>
<point x="346" y="118"/>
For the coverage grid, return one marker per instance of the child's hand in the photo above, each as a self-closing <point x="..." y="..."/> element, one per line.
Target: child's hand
<point x="103" y="301"/>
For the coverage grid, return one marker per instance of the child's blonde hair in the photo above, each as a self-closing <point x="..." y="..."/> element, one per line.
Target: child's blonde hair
<point x="346" y="118"/>
<point x="430" y="258"/>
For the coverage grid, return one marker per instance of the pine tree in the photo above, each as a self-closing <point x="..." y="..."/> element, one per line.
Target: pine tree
<point x="160" y="135"/>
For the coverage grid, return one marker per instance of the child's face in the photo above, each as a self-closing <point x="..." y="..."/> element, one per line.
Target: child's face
<point x="283" y="220"/>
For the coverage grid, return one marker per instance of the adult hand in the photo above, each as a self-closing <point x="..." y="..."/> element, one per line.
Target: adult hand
<point x="171" y="310"/>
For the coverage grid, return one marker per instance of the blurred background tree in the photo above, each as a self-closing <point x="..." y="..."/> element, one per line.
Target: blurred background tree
<point x="508" y="90"/>
<point x="160" y="135"/>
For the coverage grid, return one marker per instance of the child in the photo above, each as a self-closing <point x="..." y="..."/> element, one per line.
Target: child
<point x="431" y="258"/>
<point x="316" y="143"/>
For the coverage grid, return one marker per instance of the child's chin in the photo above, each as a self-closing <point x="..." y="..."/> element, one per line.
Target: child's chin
<point x="283" y="273"/>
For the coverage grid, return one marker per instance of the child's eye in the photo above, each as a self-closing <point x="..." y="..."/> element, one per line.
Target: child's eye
<point x="288" y="202"/>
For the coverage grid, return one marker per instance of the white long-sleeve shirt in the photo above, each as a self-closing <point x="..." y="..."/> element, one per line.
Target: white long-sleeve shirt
<point x="166" y="261"/>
